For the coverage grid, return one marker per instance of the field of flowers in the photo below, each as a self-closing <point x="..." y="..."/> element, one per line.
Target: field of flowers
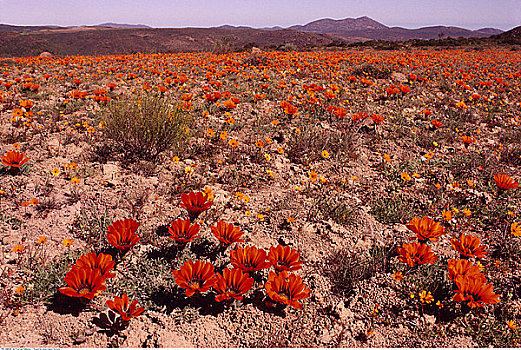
<point x="311" y="199"/>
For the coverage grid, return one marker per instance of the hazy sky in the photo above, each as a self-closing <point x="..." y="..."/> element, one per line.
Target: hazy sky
<point x="472" y="14"/>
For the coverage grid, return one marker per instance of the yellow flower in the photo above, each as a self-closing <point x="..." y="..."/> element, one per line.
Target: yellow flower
<point x="19" y="290"/>
<point x="455" y="210"/>
<point x="189" y="170"/>
<point x="247" y="213"/>
<point x="233" y="143"/>
<point x="397" y="275"/>
<point x="406" y="177"/>
<point x="55" y="172"/>
<point x="210" y="132"/>
<point x="267" y="156"/>
<point x="426" y="297"/>
<point x="387" y="158"/>
<point x="67" y="242"/>
<point x="447" y="215"/>
<point x="260" y="217"/>
<point x="246" y="199"/>
<point x="75" y="180"/>
<point x="467" y="212"/>
<point x="280" y="150"/>
<point x="91" y="129"/>
<point x="41" y="240"/>
<point x="325" y="154"/>
<point x="470" y="183"/>
<point x="515" y="229"/>
<point x="298" y="131"/>
<point x="439" y="304"/>
<point x="16" y="145"/>
<point x="290" y="219"/>
<point x="223" y="135"/>
<point x="416" y="175"/>
<point x="298" y="188"/>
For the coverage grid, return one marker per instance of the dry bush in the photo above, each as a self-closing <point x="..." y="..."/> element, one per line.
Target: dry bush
<point x="145" y="125"/>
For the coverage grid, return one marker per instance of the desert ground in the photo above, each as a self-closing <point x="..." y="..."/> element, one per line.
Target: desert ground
<point x="379" y="188"/>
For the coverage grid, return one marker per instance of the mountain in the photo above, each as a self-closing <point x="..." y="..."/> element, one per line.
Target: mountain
<point x="119" y="25"/>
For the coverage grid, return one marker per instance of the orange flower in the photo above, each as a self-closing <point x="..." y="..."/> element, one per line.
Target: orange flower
<point x="469" y="246"/>
<point x="14" y="159"/>
<point x="475" y="292"/>
<point x="425" y="229"/>
<point x="467" y="139"/>
<point x="288" y="108"/>
<point x="122" y="234"/>
<point x="195" y="203"/>
<point x="232" y="284"/>
<point x="182" y="232"/>
<point x="463" y="268"/>
<point x="505" y="182"/>
<point x="83" y="282"/>
<point x="416" y="253"/>
<point x="227" y="233"/>
<point x="19" y="248"/>
<point x="436" y="123"/>
<point x="515" y="229"/>
<point x="286" y="289"/>
<point x="249" y="259"/>
<point x="102" y="262"/>
<point x="284" y="258"/>
<point x="122" y="307"/>
<point x="198" y="276"/>
<point x="447" y="215"/>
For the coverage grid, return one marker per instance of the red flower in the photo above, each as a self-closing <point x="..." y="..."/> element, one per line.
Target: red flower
<point x="227" y="233"/>
<point x="232" y="284"/>
<point x="102" y="262"/>
<point x="14" y="159"/>
<point x="83" y="283"/>
<point x="249" y="259"/>
<point x="469" y="246"/>
<point x="284" y="258"/>
<point x="122" y="234"/>
<point x="426" y="229"/>
<point x="198" y="276"/>
<point x="416" y="253"/>
<point x="503" y="181"/>
<point x="286" y="289"/>
<point x="182" y="232"/>
<point x="195" y="203"/>
<point x="122" y="307"/>
<point x="475" y="292"/>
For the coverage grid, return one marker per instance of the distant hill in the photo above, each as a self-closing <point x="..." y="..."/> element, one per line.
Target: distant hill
<point x="512" y="36"/>
<point x="119" y="25"/>
<point x="110" y="41"/>
<point x="113" y="38"/>
<point x="17" y="29"/>
<point x="365" y="28"/>
<point x="490" y="31"/>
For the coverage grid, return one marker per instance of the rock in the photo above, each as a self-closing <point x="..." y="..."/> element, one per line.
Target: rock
<point x="110" y="171"/>
<point x="46" y="54"/>
<point x="400" y="77"/>
<point x="429" y="319"/>
<point x="256" y="52"/>
<point x="343" y="313"/>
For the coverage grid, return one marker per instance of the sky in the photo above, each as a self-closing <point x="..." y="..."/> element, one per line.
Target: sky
<point x="471" y="14"/>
